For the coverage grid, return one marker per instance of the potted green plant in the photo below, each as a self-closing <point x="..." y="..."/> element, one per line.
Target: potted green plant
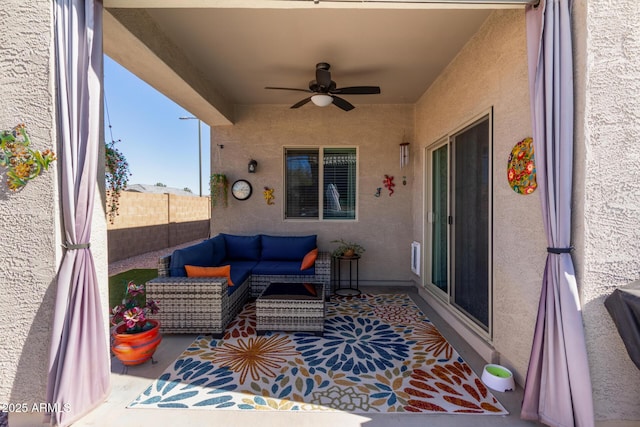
<point x="135" y="336"/>
<point x="347" y="249"/>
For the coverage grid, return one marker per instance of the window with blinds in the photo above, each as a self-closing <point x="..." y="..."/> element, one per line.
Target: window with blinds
<point x="339" y="183"/>
<point x="320" y="183"/>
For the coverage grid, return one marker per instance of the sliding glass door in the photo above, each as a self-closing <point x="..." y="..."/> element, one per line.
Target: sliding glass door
<point x="471" y="222"/>
<point x="458" y="221"/>
<point x="439" y="218"/>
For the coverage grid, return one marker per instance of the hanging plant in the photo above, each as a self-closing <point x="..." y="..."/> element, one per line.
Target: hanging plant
<point x="219" y="189"/>
<point x="22" y="162"/>
<point x="117" y="177"/>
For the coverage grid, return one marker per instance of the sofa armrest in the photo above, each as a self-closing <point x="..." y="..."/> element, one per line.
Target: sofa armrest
<point x="163" y="266"/>
<point x="195" y="304"/>
<point x="323" y="266"/>
<point x="322" y="275"/>
<point x="186" y="289"/>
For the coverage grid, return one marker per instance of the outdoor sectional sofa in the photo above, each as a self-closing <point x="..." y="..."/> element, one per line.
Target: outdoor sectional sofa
<point x="206" y="305"/>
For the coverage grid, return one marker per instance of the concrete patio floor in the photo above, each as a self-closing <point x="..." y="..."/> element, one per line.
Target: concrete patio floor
<point x="128" y="382"/>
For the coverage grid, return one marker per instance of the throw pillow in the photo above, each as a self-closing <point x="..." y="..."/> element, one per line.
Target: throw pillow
<point x="310" y="287"/>
<point x="309" y="259"/>
<point x="222" y="271"/>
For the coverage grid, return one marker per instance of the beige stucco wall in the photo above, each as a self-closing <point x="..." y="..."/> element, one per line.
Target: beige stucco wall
<point x="27" y="224"/>
<point x="606" y="227"/>
<point x="384" y="223"/>
<point x="491" y="71"/>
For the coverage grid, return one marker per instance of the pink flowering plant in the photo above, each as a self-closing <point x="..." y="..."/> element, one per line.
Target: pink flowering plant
<point x="134" y="310"/>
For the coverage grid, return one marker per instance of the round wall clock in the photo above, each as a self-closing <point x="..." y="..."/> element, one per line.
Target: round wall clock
<point x="241" y="189"/>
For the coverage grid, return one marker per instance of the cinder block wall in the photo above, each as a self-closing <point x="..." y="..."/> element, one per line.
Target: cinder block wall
<point x="149" y="222"/>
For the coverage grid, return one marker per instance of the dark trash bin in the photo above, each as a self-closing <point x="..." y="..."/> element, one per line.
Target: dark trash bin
<point x="624" y="307"/>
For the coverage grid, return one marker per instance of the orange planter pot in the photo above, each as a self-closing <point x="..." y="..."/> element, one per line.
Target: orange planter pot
<point x="134" y="349"/>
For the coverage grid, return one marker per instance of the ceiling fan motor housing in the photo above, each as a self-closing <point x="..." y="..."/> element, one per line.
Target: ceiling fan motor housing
<point x="315" y="87"/>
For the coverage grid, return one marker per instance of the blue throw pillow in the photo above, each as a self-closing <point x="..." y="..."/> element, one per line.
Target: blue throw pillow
<point x="287" y="248"/>
<point x="242" y="247"/>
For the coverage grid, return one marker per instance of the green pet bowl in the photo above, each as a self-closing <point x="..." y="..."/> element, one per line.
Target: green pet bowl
<point x="498" y="378"/>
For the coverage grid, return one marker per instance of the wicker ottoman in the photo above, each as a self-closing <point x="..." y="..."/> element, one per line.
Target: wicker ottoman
<point x="291" y="307"/>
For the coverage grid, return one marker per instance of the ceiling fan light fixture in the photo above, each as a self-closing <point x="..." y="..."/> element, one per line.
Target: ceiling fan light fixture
<point x="321" y="99"/>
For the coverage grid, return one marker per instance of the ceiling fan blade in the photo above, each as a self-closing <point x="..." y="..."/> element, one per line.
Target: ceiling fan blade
<point x="289" y="88"/>
<point x="301" y="103"/>
<point x="342" y="103"/>
<point x="358" y="90"/>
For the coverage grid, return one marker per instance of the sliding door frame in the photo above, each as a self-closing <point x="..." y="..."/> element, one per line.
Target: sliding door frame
<point x="429" y="218"/>
<point x="447" y="297"/>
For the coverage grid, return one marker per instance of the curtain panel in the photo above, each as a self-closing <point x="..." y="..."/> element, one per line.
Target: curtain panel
<point x="558" y="385"/>
<point x="79" y="367"/>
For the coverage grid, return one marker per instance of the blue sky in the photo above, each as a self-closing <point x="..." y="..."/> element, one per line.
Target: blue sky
<point x="157" y="144"/>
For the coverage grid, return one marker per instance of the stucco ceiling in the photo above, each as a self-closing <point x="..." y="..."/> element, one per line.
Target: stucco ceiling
<point x="246" y="50"/>
<point x="236" y="51"/>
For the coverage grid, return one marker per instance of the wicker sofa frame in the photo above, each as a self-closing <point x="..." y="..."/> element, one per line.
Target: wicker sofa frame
<point x="196" y="305"/>
<point x="259" y="282"/>
<point x="292" y="312"/>
<point x="192" y="305"/>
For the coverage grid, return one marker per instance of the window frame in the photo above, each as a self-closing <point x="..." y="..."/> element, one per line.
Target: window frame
<point x="321" y="215"/>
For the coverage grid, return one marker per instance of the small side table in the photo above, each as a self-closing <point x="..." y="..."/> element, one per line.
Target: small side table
<point x="337" y="276"/>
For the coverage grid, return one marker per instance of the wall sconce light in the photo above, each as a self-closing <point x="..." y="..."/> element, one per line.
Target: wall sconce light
<point x="253" y="165"/>
<point x="404" y="154"/>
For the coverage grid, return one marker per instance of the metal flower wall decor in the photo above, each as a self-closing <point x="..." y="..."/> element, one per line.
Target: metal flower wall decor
<point x="521" y="168"/>
<point x="22" y="163"/>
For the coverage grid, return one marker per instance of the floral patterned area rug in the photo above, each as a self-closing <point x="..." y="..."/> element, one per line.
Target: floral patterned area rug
<point x="379" y="353"/>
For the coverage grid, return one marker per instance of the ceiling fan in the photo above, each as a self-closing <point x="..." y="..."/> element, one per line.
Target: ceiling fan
<point x="325" y="92"/>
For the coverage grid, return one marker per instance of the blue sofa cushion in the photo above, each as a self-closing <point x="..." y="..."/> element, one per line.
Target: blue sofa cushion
<point x="242" y="247"/>
<point x="287" y="248"/>
<point x="200" y="254"/>
<point x="271" y="268"/>
<point x="219" y="250"/>
<point x="240" y="270"/>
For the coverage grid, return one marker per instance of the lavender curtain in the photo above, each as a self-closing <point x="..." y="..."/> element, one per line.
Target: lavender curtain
<point x="558" y="386"/>
<point x="79" y="356"/>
